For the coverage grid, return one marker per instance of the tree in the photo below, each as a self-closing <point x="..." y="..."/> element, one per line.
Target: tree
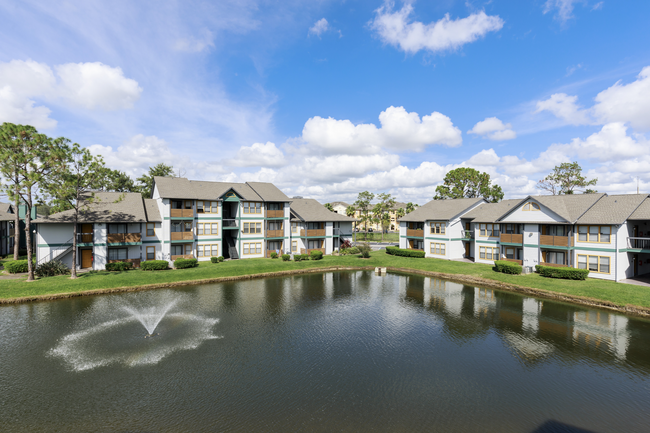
<point x="565" y="179"/>
<point x="146" y="180"/>
<point x="382" y="210"/>
<point x="409" y="207"/>
<point x="329" y="207"/>
<point x="350" y="211"/>
<point x="74" y="184"/>
<point x="466" y="182"/>
<point x="118" y="181"/>
<point x="400" y="213"/>
<point x="28" y="157"/>
<point x="363" y="204"/>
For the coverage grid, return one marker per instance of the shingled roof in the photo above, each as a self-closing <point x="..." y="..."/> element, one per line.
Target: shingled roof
<point x="308" y="209"/>
<point x="151" y="208"/>
<point x="642" y="212"/>
<point x="441" y="210"/>
<point x="182" y="188"/>
<point x="108" y="207"/>
<point x="613" y="209"/>
<point x="5" y="212"/>
<point x="268" y="191"/>
<point x="491" y="212"/>
<point x="569" y="207"/>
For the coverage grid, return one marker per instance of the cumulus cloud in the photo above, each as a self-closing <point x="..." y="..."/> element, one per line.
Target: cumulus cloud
<point x="494" y="129"/>
<point x="319" y="27"/>
<point x="400" y="130"/>
<point x="259" y="154"/>
<point x="563" y="9"/>
<point x="565" y="107"/>
<point x="88" y="85"/>
<point x="626" y="102"/>
<point x="396" y="28"/>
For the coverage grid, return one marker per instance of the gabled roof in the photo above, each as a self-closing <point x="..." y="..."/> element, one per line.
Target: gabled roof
<point x="613" y="209"/>
<point x="107" y="207"/>
<point x="491" y="212"/>
<point x="339" y="203"/>
<point x="309" y="210"/>
<point x="568" y="207"/>
<point x="151" y="208"/>
<point x="268" y="191"/>
<point x="442" y="210"/>
<point x="182" y="188"/>
<point x="642" y="212"/>
<point x="5" y="212"/>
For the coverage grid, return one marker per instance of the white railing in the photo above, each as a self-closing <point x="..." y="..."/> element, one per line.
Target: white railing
<point x="639" y="243"/>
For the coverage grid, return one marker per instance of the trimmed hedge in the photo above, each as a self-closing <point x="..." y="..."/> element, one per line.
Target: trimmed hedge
<point x="300" y="257"/>
<point x="286" y="257"/>
<point x="154" y="265"/>
<point x="220" y="258"/>
<point x="51" y="268"/>
<point x="214" y="259"/>
<point x="274" y="255"/>
<point x="394" y="251"/>
<point x="16" y="266"/>
<point x="350" y="251"/>
<point x="316" y="255"/>
<point x="119" y="266"/>
<point x="506" y="267"/>
<point x="564" y="273"/>
<point x="185" y="263"/>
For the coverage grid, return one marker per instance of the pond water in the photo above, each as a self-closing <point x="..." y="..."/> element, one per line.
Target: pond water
<point x="347" y="351"/>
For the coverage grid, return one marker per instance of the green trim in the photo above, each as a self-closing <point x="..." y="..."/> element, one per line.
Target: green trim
<point x="438" y="239"/>
<point x="53" y="245"/>
<point x="182" y="218"/>
<point x="415" y="237"/>
<point x="511" y="244"/>
<point x="182" y="242"/>
<point x="152" y="242"/>
<point x="277" y="237"/>
<point x="555" y="247"/>
<point x="487" y="242"/>
<point x="166" y="218"/>
<point x="605" y="250"/>
<point x="112" y="244"/>
<point x="218" y="218"/>
<point x="199" y="239"/>
<point x="86" y="244"/>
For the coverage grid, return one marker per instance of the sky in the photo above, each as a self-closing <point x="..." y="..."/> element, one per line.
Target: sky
<point x="330" y="98"/>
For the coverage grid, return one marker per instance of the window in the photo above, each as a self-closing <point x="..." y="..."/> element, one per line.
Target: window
<point x="199" y="206"/>
<point x="275" y="225"/>
<point x="151" y="229"/>
<point x="489" y="253"/>
<point x="207" y="229"/>
<point x="274" y="245"/>
<point x="416" y="226"/>
<point x="177" y="204"/>
<point x="177" y="250"/>
<point x="116" y="228"/>
<point x="599" y="264"/>
<point x="438" y="249"/>
<point x="207" y="250"/>
<point x="294" y="246"/>
<point x="417" y="244"/>
<point x="188" y="249"/>
<point x="188" y="204"/>
<point x="274" y="206"/>
<point x="214" y="228"/>
<point x="531" y="206"/>
<point x="510" y="229"/>
<point x="252" y="207"/>
<point x="510" y="253"/>
<point x="252" y="248"/>
<point x="117" y="253"/>
<point x="596" y="234"/>
<point x="252" y="228"/>
<point x="438" y="228"/>
<point x="294" y="227"/>
<point x="487" y="230"/>
<point x="181" y="227"/>
<point x="553" y="230"/>
<point x="151" y="253"/>
<point x="204" y="206"/>
<point x="555" y="257"/>
<point x="314" y="244"/>
<point x="199" y="229"/>
<point x="314" y="226"/>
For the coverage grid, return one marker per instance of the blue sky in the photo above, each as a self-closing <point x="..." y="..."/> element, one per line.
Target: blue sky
<point x="330" y="98"/>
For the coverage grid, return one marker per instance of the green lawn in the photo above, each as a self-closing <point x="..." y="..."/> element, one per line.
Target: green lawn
<point x="617" y="293"/>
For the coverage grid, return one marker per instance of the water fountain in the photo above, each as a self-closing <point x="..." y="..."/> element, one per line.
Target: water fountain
<point x="150" y="317"/>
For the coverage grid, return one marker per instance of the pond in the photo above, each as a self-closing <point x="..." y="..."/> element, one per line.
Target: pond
<point x="345" y="351"/>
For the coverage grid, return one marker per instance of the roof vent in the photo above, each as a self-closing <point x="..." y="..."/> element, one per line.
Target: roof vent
<point x="297" y="196"/>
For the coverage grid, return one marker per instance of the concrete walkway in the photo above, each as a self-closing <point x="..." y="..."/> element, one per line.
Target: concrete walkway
<point x="642" y="280"/>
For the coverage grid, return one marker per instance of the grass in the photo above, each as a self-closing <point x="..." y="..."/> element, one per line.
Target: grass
<point x="376" y="237"/>
<point x="617" y="293"/>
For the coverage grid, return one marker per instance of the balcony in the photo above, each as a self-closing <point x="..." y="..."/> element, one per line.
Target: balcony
<point x="415" y="233"/>
<point x="85" y="238"/>
<point x="339" y="232"/>
<point x="315" y="233"/>
<point x="182" y="236"/>
<point x="638" y="243"/>
<point x="275" y="214"/>
<point x="120" y="238"/>
<point x="322" y="250"/>
<point x="467" y="234"/>
<point x="274" y="233"/>
<point x="554" y="241"/>
<point x="512" y="238"/>
<point x="519" y="262"/>
<point x="183" y="256"/>
<point x="182" y="213"/>
<point x="136" y="262"/>
<point x="229" y="224"/>
<point x="268" y="253"/>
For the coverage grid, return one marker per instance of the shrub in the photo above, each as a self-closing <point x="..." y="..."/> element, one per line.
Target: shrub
<point x="297" y="257"/>
<point x="304" y="257"/>
<point x="286" y="257"/>
<point x="365" y="249"/>
<point x="16" y="266"/>
<point x="506" y="267"/>
<point x="316" y="255"/>
<point x="274" y="255"/>
<point x="345" y="245"/>
<point x="220" y="258"/>
<point x="185" y="263"/>
<point x="51" y="268"/>
<point x="214" y="259"/>
<point x="119" y="266"/>
<point x="394" y="251"/>
<point x="154" y="265"/>
<point x="350" y="251"/>
<point x="564" y="273"/>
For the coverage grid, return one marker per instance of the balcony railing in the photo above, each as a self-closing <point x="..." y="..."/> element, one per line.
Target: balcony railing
<point x="339" y="232"/>
<point x="229" y="223"/>
<point x="118" y="238"/>
<point x="557" y="241"/>
<point x="274" y="233"/>
<point x="415" y="233"/>
<point x="511" y="238"/>
<point x="183" y="256"/>
<point x="85" y="238"/>
<point x="274" y="213"/>
<point x="467" y="234"/>
<point x="268" y="253"/>
<point x="519" y="262"/>
<point x="182" y="213"/>
<point x="136" y="262"/>
<point x="182" y="236"/>
<point x="317" y="232"/>
<point x="554" y="265"/>
<point x="638" y="243"/>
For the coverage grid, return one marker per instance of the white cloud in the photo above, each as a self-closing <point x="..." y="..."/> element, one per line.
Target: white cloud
<point x="566" y="108"/>
<point x="563" y="8"/>
<point x="626" y="102"/>
<point x="395" y="28"/>
<point x="191" y="44"/>
<point x="494" y="129"/>
<point x="319" y="27"/>
<point x="400" y="130"/>
<point x="20" y="110"/>
<point x="259" y="154"/>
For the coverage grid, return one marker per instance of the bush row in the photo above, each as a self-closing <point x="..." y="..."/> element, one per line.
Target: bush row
<point x="564" y="273"/>
<point x="119" y="266"/>
<point x="185" y="263"/>
<point x="16" y="266"/>
<point x="51" y="268"/>
<point x="300" y="257"/>
<point x="216" y="259"/>
<point x="506" y="267"/>
<point x="349" y="251"/>
<point x="286" y="257"/>
<point x="154" y="265"/>
<point x="394" y="251"/>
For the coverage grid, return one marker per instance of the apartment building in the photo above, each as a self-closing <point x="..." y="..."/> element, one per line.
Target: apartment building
<point x="7" y="221"/>
<point x="315" y="228"/>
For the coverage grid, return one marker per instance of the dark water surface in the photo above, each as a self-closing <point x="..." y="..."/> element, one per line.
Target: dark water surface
<point x="347" y="351"/>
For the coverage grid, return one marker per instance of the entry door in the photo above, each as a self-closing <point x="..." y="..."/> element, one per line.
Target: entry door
<point x="467" y="248"/>
<point x="87" y="237"/>
<point x="86" y="259"/>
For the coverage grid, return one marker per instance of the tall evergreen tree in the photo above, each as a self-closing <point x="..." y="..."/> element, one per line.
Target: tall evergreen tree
<point x="363" y="205"/>
<point x="146" y="180"/>
<point x="466" y="182"/>
<point x="565" y="179"/>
